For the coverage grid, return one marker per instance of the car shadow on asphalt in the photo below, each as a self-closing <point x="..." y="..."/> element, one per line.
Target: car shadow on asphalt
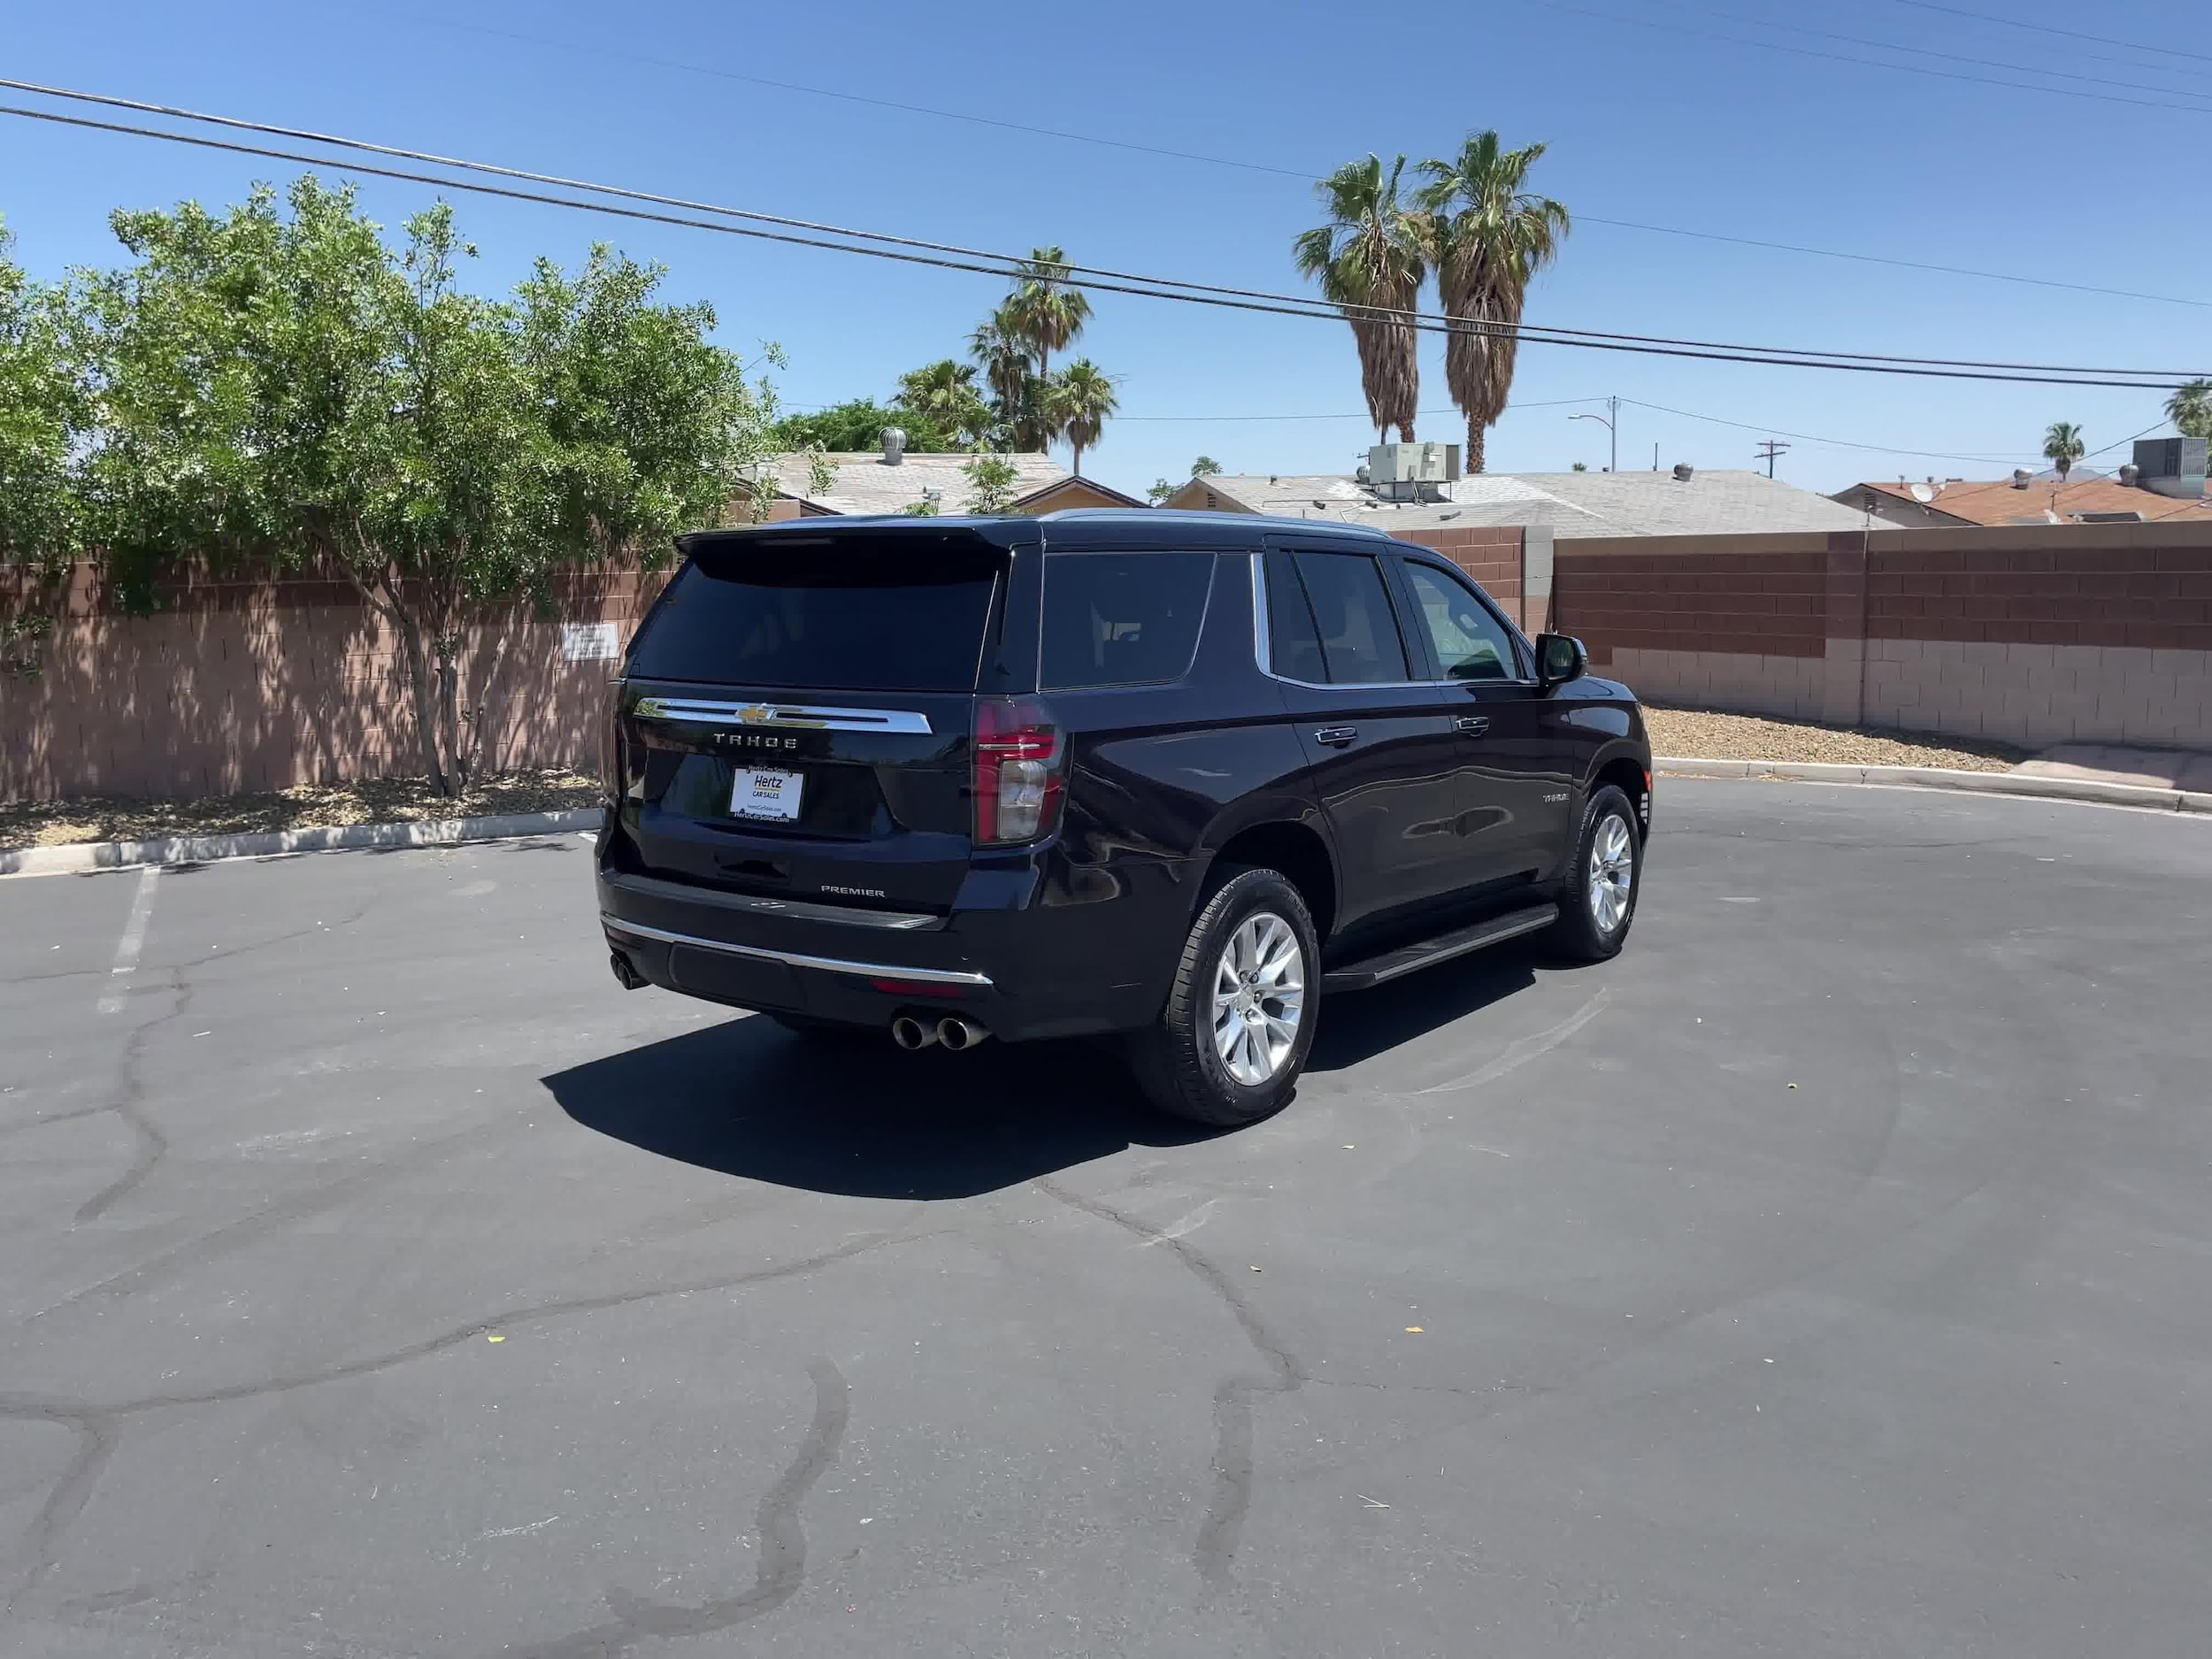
<point x="856" y="1116"/>
<point x="1358" y="1026"/>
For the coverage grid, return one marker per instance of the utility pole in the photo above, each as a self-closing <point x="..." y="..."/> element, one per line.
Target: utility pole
<point x="1612" y="420"/>
<point x="1768" y="451"/>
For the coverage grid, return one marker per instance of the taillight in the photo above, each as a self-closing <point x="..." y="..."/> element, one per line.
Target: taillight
<point x="1018" y="755"/>
<point x="611" y="743"/>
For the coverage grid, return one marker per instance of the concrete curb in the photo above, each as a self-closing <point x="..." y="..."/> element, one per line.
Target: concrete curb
<point x="192" y="849"/>
<point x="1944" y="777"/>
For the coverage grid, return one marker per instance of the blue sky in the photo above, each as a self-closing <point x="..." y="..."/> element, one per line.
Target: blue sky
<point x="1661" y="113"/>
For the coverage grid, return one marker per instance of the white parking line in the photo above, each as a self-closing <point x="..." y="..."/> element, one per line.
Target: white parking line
<point x="134" y="939"/>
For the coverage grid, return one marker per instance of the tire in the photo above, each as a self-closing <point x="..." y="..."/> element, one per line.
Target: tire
<point x="1181" y="1061"/>
<point x="1595" y="914"/>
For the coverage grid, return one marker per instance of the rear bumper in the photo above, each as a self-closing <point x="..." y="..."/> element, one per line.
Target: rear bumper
<point x="1014" y="970"/>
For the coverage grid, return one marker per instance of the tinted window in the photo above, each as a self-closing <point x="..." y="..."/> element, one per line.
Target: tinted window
<point x="1122" y="618"/>
<point x="1470" y="642"/>
<point x="1351" y="612"/>
<point x="824" y="615"/>
<point x="1293" y="648"/>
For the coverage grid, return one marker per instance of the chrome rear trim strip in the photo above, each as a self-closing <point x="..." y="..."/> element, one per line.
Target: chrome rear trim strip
<point x="793" y="959"/>
<point x="762" y="905"/>
<point x="700" y="712"/>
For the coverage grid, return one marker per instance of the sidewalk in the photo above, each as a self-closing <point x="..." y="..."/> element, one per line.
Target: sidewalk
<point x="2182" y="769"/>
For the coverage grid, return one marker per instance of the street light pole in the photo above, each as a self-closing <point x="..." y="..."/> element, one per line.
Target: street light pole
<point x="1610" y="419"/>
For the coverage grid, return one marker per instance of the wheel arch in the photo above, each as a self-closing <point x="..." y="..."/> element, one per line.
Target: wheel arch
<point x="1290" y="840"/>
<point x="1629" y="770"/>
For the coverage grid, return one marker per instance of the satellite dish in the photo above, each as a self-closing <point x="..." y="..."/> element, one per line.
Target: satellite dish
<point x="1922" y="493"/>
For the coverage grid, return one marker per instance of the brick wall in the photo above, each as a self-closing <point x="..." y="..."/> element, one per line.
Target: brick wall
<point x="2032" y="634"/>
<point x="246" y="685"/>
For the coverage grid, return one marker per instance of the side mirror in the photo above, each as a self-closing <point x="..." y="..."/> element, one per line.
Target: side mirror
<point x="1559" y="658"/>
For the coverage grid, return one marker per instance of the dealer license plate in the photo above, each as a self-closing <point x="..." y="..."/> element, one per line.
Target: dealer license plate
<point x="769" y="795"/>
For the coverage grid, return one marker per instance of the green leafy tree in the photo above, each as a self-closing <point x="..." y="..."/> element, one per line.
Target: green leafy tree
<point x="46" y="412"/>
<point x="944" y="395"/>
<point x="991" y="483"/>
<point x="1369" y="260"/>
<point x="282" y="386"/>
<point x="1489" y="238"/>
<point x="2190" y="409"/>
<point x="1204" y="467"/>
<point x="856" y="427"/>
<point x="45" y="417"/>
<point x="2063" y="446"/>
<point x="1081" y="398"/>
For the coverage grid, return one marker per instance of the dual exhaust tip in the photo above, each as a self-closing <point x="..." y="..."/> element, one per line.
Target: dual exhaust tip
<point x="953" y="1033"/>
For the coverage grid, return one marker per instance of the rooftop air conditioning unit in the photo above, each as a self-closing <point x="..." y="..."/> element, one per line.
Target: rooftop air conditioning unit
<point x="1413" y="464"/>
<point x="2172" y="466"/>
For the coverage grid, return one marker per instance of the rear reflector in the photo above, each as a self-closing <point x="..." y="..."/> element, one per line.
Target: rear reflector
<point x="914" y="988"/>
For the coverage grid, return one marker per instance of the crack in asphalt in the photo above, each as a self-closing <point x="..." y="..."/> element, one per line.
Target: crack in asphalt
<point x="1231" y="1501"/>
<point x="99" y="1424"/>
<point x="780" y="1565"/>
<point x="129" y="1104"/>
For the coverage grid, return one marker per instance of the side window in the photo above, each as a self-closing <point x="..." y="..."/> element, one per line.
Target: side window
<point x="1293" y="648"/>
<point x="1470" y="644"/>
<point x="1122" y="618"/>
<point x="1352" y="618"/>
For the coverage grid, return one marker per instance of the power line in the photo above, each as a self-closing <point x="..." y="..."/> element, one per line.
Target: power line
<point x="1807" y="437"/>
<point x="1871" y="63"/>
<point x="1907" y="265"/>
<point x="1097" y="277"/>
<point x="1554" y="402"/>
<point x="2161" y="50"/>
<point x="1957" y="58"/>
<point x="1306" y="175"/>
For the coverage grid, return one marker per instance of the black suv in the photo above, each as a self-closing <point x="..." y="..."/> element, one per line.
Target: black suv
<point x="1170" y="775"/>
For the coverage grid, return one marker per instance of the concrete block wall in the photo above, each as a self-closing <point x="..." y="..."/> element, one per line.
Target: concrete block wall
<point x="2029" y="635"/>
<point x="244" y="685"/>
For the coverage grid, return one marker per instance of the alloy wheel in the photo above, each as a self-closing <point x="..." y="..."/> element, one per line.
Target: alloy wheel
<point x="1259" y="997"/>
<point x="1612" y="872"/>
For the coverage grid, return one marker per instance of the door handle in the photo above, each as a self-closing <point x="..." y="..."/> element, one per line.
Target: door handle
<point x="1337" y="736"/>
<point x="1473" y="724"/>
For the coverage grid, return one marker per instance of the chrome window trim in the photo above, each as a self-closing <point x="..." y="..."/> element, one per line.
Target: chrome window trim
<point x="795" y="959"/>
<point x="706" y="711"/>
<point x="1264" y="659"/>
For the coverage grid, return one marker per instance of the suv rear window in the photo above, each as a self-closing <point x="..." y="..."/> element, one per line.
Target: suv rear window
<point x="1122" y="618"/>
<point x="824" y="614"/>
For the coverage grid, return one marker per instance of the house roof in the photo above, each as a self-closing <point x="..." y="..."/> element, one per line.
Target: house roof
<point x="866" y="483"/>
<point x="1995" y="501"/>
<point x="1715" y="503"/>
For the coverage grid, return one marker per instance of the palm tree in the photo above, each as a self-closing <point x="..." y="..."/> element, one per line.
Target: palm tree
<point x="1370" y="256"/>
<point x="1046" y="312"/>
<point x="1010" y="369"/>
<point x="1081" y="399"/>
<point x="2190" y="409"/>
<point x="2063" y="447"/>
<point x="945" y="392"/>
<point x="1491" y="238"/>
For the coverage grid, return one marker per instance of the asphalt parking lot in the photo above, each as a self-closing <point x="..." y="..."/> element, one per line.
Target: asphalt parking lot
<point x="1828" y="1275"/>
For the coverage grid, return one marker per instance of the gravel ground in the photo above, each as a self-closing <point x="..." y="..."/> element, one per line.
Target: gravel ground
<point x="310" y="806"/>
<point x="1696" y="733"/>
